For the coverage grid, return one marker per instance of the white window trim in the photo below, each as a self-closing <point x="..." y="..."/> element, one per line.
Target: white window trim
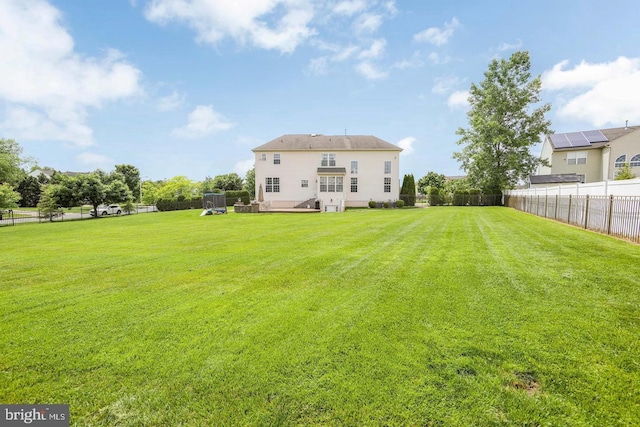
<point x="387" y="170"/>
<point x="574" y="158"/>
<point x="620" y="161"/>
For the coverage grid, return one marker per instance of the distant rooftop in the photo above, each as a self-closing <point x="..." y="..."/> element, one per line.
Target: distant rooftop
<point x="562" y="178"/>
<point x="316" y="142"/>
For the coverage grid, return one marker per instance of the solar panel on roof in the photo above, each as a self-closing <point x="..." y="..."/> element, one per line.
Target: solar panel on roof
<point x="559" y="140"/>
<point x="595" y="136"/>
<point x="577" y="139"/>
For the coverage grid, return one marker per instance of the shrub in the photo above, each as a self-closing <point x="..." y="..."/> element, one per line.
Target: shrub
<point x="372" y="204"/>
<point x="386" y="205"/>
<point x="399" y="203"/>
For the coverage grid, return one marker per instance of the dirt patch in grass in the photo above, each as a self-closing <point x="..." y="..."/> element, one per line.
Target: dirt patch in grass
<point x="525" y="380"/>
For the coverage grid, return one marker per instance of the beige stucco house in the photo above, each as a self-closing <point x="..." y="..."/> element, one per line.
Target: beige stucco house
<point x="326" y="172"/>
<point x="593" y="155"/>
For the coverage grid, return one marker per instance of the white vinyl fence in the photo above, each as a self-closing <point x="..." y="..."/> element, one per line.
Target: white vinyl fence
<point x="617" y="216"/>
<point x="627" y="187"/>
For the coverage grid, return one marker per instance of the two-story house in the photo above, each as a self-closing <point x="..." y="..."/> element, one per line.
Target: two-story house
<point x="591" y="156"/>
<point x="326" y="172"/>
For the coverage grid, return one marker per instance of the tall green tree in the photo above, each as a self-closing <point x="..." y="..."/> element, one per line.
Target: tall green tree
<point x="408" y="190"/>
<point x="49" y="204"/>
<point x="8" y="197"/>
<point x="503" y="125"/>
<point x="29" y="188"/>
<point x="149" y="192"/>
<point x="91" y="189"/>
<point x="131" y="176"/>
<point x="250" y="182"/>
<point x="11" y="162"/>
<point x="207" y="185"/>
<point x="178" y="188"/>
<point x="431" y="180"/>
<point x="230" y="181"/>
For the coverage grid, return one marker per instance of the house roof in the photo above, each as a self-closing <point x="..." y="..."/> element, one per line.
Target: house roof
<point x="584" y="139"/>
<point x="561" y="178"/>
<point x="318" y="142"/>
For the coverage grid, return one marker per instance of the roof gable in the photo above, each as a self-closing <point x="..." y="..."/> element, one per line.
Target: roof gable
<point x="317" y="142"/>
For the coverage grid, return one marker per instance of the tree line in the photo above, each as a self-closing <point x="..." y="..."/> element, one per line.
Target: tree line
<point x="123" y="185"/>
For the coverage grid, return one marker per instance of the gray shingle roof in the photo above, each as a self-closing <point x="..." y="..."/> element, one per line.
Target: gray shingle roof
<point x="319" y="142"/>
<point x="562" y="178"/>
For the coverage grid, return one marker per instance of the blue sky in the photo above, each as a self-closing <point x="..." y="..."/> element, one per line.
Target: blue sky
<point x="189" y="87"/>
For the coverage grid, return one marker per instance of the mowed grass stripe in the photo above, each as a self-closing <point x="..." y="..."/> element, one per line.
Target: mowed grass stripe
<point x="451" y="316"/>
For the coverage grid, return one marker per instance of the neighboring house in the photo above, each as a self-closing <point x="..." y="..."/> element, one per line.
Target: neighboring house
<point x="47" y="172"/>
<point x="555" y="179"/>
<point x="594" y="155"/>
<point x="326" y="172"/>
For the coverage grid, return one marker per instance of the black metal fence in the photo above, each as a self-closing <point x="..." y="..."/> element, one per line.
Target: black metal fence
<point x="613" y="215"/>
<point x="27" y="216"/>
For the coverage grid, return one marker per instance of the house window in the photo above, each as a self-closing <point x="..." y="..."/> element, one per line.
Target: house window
<point x="620" y="161"/>
<point x="354" y="166"/>
<point x="387" y="185"/>
<point x="331" y="184"/>
<point x="387" y="166"/>
<point x="577" y="158"/>
<point x="272" y="185"/>
<point x="276" y="159"/>
<point x="328" y="159"/>
<point x="354" y="185"/>
<point x="635" y="161"/>
<point x="304" y="183"/>
<point x="263" y="157"/>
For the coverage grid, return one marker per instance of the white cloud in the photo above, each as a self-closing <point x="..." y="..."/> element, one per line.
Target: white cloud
<point x="95" y="161"/>
<point x="438" y="59"/>
<point x="600" y="93"/>
<point x="375" y="51"/>
<point x="318" y="66"/>
<point x="407" y="145"/>
<point x="458" y="100"/>
<point x="203" y="121"/>
<point x="445" y="84"/>
<point x="438" y="36"/>
<point x="269" y="24"/>
<point x="243" y="166"/>
<point x="370" y="72"/>
<point x="44" y="82"/>
<point x="416" y="60"/>
<point x="171" y="102"/>
<point x="391" y="7"/>
<point x="510" y="46"/>
<point x="367" y="23"/>
<point x="349" y="8"/>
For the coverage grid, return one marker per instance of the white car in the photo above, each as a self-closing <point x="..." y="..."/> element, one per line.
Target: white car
<point x="107" y="210"/>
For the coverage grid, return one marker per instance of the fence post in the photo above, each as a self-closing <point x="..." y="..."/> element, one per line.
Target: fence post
<point x="586" y="212"/>
<point x="569" y="211"/>
<point x="546" y="205"/>
<point x="555" y="213"/>
<point x="610" y="214"/>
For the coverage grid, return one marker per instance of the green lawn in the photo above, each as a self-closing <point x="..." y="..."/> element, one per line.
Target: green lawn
<point x="441" y="316"/>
